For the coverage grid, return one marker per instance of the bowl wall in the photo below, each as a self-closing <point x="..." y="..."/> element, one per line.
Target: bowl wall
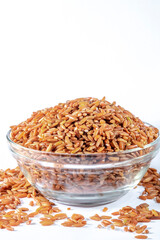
<point x="85" y="179"/>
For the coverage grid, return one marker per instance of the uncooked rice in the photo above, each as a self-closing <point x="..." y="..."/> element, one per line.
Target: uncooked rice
<point x="83" y="125"/>
<point x="80" y="126"/>
<point x="82" y="131"/>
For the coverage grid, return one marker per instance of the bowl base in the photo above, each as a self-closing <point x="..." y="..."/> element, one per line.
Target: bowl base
<point x="84" y="200"/>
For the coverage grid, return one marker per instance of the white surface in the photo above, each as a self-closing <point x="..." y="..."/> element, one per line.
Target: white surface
<point x="51" y="51"/>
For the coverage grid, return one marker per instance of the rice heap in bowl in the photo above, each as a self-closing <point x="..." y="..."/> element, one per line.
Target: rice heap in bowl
<point x="83" y="125"/>
<point x="82" y="157"/>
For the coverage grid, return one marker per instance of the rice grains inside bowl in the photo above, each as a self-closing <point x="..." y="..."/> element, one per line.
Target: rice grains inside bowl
<point x="84" y="151"/>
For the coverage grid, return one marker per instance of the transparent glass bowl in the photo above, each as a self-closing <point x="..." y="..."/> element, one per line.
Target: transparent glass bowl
<point x="84" y="179"/>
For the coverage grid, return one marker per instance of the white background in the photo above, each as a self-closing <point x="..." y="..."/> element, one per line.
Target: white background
<point x="52" y="51"/>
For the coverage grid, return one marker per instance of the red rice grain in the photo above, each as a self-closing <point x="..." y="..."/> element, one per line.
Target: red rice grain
<point x="141" y="237"/>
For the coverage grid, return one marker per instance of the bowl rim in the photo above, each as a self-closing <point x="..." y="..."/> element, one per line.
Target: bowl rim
<point x="86" y="154"/>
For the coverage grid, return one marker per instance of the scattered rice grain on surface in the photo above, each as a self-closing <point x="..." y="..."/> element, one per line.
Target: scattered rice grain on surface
<point x="12" y="214"/>
<point x="151" y="184"/>
<point x="141" y="237"/>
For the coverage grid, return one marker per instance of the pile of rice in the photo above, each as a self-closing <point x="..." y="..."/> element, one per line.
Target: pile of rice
<point x="83" y="125"/>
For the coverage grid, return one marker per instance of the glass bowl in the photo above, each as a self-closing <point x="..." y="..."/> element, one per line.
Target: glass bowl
<point x="84" y="179"/>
